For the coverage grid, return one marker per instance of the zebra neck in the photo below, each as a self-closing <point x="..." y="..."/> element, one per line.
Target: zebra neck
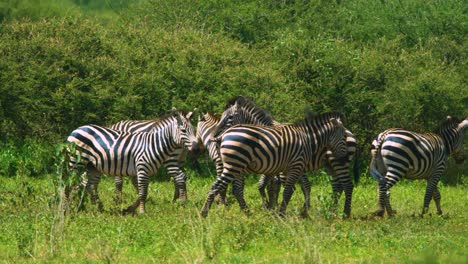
<point x="447" y="138"/>
<point x="165" y="136"/>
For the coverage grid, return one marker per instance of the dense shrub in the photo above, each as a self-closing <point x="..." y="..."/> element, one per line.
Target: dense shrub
<point x="384" y="64"/>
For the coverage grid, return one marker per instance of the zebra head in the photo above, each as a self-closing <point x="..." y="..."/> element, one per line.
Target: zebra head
<point x="452" y="131"/>
<point x="242" y="111"/>
<point x="230" y="117"/>
<point x="336" y="143"/>
<point x="183" y="133"/>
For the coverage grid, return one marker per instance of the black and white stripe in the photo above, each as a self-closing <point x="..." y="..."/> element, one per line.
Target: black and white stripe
<point x="398" y="153"/>
<point x="173" y="164"/>
<point x="139" y="155"/>
<point x="244" y="111"/>
<point x="272" y="150"/>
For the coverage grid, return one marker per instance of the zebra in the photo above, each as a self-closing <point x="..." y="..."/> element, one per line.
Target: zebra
<point x="338" y="168"/>
<point x="243" y="111"/>
<point x="172" y="164"/>
<point x="273" y="149"/>
<point x="139" y="155"/>
<point x="398" y="153"/>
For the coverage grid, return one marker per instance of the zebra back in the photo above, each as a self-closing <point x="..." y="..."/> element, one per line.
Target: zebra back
<point x="117" y="153"/>
<point x="135" y="126"/>
<point x="296" y="140"/>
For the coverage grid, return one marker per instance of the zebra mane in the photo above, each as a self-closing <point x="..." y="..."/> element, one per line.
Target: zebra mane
<point x="212" y="115"/>
<point x="322" y="118"/>
<point x="449" y="123"/>
<point x="254" y="110"/>
<point x="241" y="100"/>
<point x="208" y="116"/>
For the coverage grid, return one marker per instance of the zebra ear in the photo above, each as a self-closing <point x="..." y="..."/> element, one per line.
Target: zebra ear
<point x="201" y="117"/>
<point x="189" y="115"/>
<point x="240" y="100"/>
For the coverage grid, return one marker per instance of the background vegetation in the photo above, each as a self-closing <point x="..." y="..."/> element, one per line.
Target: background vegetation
<point x="66" y="63"/>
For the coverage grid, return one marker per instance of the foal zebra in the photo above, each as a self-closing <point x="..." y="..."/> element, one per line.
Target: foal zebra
<point x="398" y="153"/>
<point x="172" y="164"/>
<point x="273" y="150"/>
<point x="244" y="111"/>
<point x="139" y="155"/>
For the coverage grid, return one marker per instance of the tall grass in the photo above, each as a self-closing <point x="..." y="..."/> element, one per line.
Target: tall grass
<point x="173" y="232"/>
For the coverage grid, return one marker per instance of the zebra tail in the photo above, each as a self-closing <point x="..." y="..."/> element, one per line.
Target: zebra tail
<point x="216" y="140"/>
<point x="376" y="159"/>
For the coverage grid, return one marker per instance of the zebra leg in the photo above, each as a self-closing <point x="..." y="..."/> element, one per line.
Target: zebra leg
<point x="92" y="187"/>
<point x="348" y="187"/>
<point x="218" y="186"/>
<point x="337" y="190"/>
<point x="305" y="187"/>
<point x="118" y="190"/>
<point x="291" y="180"/>
<point x="238" y="191"/>
<point x="430" y="191"/>
<point x="142" y="182"/>
<point x="273" y="191"/>
<point x="382" y="197"/>
<point x="436" y="196"/>
<point x="221" y="196"/>
<point x="262" y="184"/>
<point x="180" y="190"/>
<point x="173" y="165"/>
<point x="131" y="208"/>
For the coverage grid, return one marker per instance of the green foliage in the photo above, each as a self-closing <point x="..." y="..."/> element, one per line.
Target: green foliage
<point x="383" y="64"/>
<point x="30" y="158"/>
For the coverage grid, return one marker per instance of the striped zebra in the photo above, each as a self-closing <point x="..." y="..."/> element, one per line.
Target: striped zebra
<point x="173" y="163"/>
<point x="398" y="153"/>
<point x="272" y="150"/>
<point x="243" y="111"/>
<point x="139" y="155"/>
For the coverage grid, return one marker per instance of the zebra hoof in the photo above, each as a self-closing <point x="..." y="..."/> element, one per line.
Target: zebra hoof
<point x="204" y="213"/>
<point x="391" y="213"/>
<point x="128" y="211"/>
<point x="379" y="213"/>
<point x="305" y="215"/>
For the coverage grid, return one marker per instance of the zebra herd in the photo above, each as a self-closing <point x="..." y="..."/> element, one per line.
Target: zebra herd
<point x="246" y="139"/>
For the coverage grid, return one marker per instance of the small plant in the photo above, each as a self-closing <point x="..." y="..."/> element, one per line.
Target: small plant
<point x="327" y="206"/>
<point x="66" y="180"/>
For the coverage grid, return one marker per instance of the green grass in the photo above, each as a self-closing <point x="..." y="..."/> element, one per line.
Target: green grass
<point x="174" y="233"/>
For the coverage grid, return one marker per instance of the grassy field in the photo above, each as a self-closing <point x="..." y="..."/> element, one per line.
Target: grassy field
<point x="31" y="230"/>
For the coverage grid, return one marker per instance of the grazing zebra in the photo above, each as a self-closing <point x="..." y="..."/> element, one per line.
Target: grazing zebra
<point x="172" y="164"/>
<point x="244" y="111"/>
<point x="398" y="153"/>
<point x="139" y="155"/>
<point x="272" y="150"/>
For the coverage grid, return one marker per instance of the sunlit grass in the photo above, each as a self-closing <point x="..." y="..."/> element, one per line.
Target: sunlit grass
<point x="172" y="232"/>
